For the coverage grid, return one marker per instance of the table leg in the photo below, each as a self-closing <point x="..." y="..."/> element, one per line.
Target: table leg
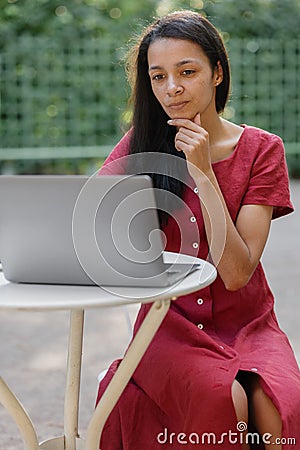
<point x="125" y="371"/>
<point x="18" y="413"/>
<point x="71" y="406"/>
<point x="70" y="440"/>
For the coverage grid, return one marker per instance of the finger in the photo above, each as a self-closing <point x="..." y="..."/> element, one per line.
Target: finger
<point x="184" y="123"/>
<point x="190" y="141"/>
<point x="189" y="137"/>
<point x="198" y="136"/>
<point x="184" y="147"/>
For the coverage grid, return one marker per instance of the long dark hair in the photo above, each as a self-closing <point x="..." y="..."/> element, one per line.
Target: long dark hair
<point x="151" y="133"/>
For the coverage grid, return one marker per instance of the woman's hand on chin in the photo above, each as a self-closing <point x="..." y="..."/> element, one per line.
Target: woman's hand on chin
<point x="193" y="140"/>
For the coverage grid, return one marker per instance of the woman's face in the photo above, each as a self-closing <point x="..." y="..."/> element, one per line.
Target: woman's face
<point x="182" y="79"/>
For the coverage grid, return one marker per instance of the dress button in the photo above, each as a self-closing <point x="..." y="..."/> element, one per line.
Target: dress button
<point x="200" y="301"/>
<point x="200" y="326"/>
<point x="195" y="245"/>
<point x="193" y="219"/>
<point x="254" y="369"/>
<point x="196" y="190"/>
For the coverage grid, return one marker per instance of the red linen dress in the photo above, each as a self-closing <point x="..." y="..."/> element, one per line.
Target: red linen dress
<point x="180" y="394"/>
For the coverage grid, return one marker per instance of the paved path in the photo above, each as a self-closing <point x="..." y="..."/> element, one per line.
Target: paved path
<point x="33" y="345"/>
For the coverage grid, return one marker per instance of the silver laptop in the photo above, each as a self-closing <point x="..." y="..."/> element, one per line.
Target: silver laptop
<point x="101" y="230"/>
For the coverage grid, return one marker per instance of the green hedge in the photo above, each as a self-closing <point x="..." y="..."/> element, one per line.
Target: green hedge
<point x="58" y="93"/>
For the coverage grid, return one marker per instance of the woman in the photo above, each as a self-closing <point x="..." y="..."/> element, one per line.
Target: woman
<point x="219" y="363"/>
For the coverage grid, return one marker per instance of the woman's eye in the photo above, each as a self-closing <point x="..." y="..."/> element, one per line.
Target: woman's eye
<point x="157" y="77"/>
<point x="188" y="72"/>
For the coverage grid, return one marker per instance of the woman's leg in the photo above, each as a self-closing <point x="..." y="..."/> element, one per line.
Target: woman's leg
<point x="264" y="415"/>
<point x="240" y="402"/>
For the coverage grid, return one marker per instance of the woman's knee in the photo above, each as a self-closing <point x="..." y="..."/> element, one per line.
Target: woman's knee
<point x="240" y="401"/>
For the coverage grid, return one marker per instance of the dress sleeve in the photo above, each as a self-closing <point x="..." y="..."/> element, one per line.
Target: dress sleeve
<point x="115" y="162"/>
<point x="269" y="182"/>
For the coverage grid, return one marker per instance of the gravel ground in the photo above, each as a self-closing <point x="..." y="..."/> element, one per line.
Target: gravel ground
<point x="33" y="351"/>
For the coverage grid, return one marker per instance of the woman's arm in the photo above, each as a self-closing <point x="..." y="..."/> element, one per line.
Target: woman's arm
<point x="234" y="248"/>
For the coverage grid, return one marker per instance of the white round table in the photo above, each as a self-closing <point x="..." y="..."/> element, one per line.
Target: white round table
<point x="77" y="299"/>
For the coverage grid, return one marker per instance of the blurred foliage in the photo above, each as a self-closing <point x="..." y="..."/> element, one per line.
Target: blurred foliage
<point x="250" y="18"/>
<point x="94" y="18"/>
<point x="67" y="19"/>
<point x="57" y="94"/>
<point x="90" y="103"/>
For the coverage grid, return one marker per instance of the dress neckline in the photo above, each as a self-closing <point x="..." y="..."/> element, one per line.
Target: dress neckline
<point x="234" y="151"/>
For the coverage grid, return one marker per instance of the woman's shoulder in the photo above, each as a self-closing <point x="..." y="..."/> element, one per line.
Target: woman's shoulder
<point x="259" y="135"/>
<point x="264" y="161"/>
<point x="247" y="143"/>
<point x="259" y="144"/>
<point x="115" y="163"/>
<point x="122" y="147"/>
